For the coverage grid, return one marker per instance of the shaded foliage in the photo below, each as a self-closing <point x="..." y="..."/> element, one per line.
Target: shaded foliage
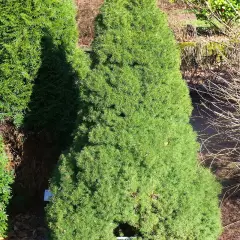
<point x="24" y="27"/>
<point x="55" y="97"/>
<point x="40" y="69"/>
<point x="52" y="110"/>
<point x="133" y="163"/>
<point x="49" y="124"/>
<point x="54" y="100"/>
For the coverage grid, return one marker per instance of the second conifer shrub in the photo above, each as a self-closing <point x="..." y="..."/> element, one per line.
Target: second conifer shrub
<point x="20" y="55"/>
<point x="133" y="170"/>
<point x="55" y="94"/>
<point x="38" y="45"/>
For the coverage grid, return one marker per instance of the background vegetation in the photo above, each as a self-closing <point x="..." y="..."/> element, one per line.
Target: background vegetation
<point x="226" y="11"/>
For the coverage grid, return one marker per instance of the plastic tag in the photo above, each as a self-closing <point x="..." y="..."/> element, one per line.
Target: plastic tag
<point x="47" y="195"/>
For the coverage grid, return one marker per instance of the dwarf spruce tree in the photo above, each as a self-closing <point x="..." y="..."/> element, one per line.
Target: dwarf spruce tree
<point x="132" y="170"/>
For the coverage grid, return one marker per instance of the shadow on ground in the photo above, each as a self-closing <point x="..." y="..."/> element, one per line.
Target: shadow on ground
<point x="46" y="133"/>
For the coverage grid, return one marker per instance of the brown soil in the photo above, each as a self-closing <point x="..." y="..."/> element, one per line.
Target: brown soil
<point x="231" y="219"/>
<point x="28" y="226"/>
<point x="87" y="11"/>
<point x="33" y="157"/>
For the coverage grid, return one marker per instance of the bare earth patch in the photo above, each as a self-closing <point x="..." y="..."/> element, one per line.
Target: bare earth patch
<point x="231" y="219"/>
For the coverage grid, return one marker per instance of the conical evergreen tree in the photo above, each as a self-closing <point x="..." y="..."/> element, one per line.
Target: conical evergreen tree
<point x="133" y="168"/>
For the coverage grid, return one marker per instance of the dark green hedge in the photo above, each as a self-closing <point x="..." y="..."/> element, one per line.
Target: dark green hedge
<point x="20" y="54"/>
<point x="38" y="38"/>
<point x="6" y="179"/>
<point x="133" y="168"/>
<point x="55" y="95"/>
<point x="40" y="69"/>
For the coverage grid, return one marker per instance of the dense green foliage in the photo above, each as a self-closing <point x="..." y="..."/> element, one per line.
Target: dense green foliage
<point x="37" y="38"/>
<point x="20" y="51"/>
<point x="6" y="178"/>
<point x="40" y="69"/>
<point x="226" y="11"/>
<point x="133" y="165"/>
<point x="55" y="95"/>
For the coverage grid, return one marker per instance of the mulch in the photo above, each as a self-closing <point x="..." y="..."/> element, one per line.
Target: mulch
<point x="28" y="226"/>
<point x="231" y="219"/>
<point x="33" y="156"/>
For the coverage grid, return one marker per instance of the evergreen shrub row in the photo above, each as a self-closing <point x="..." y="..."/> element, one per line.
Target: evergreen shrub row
<point x="132" y="169"/>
